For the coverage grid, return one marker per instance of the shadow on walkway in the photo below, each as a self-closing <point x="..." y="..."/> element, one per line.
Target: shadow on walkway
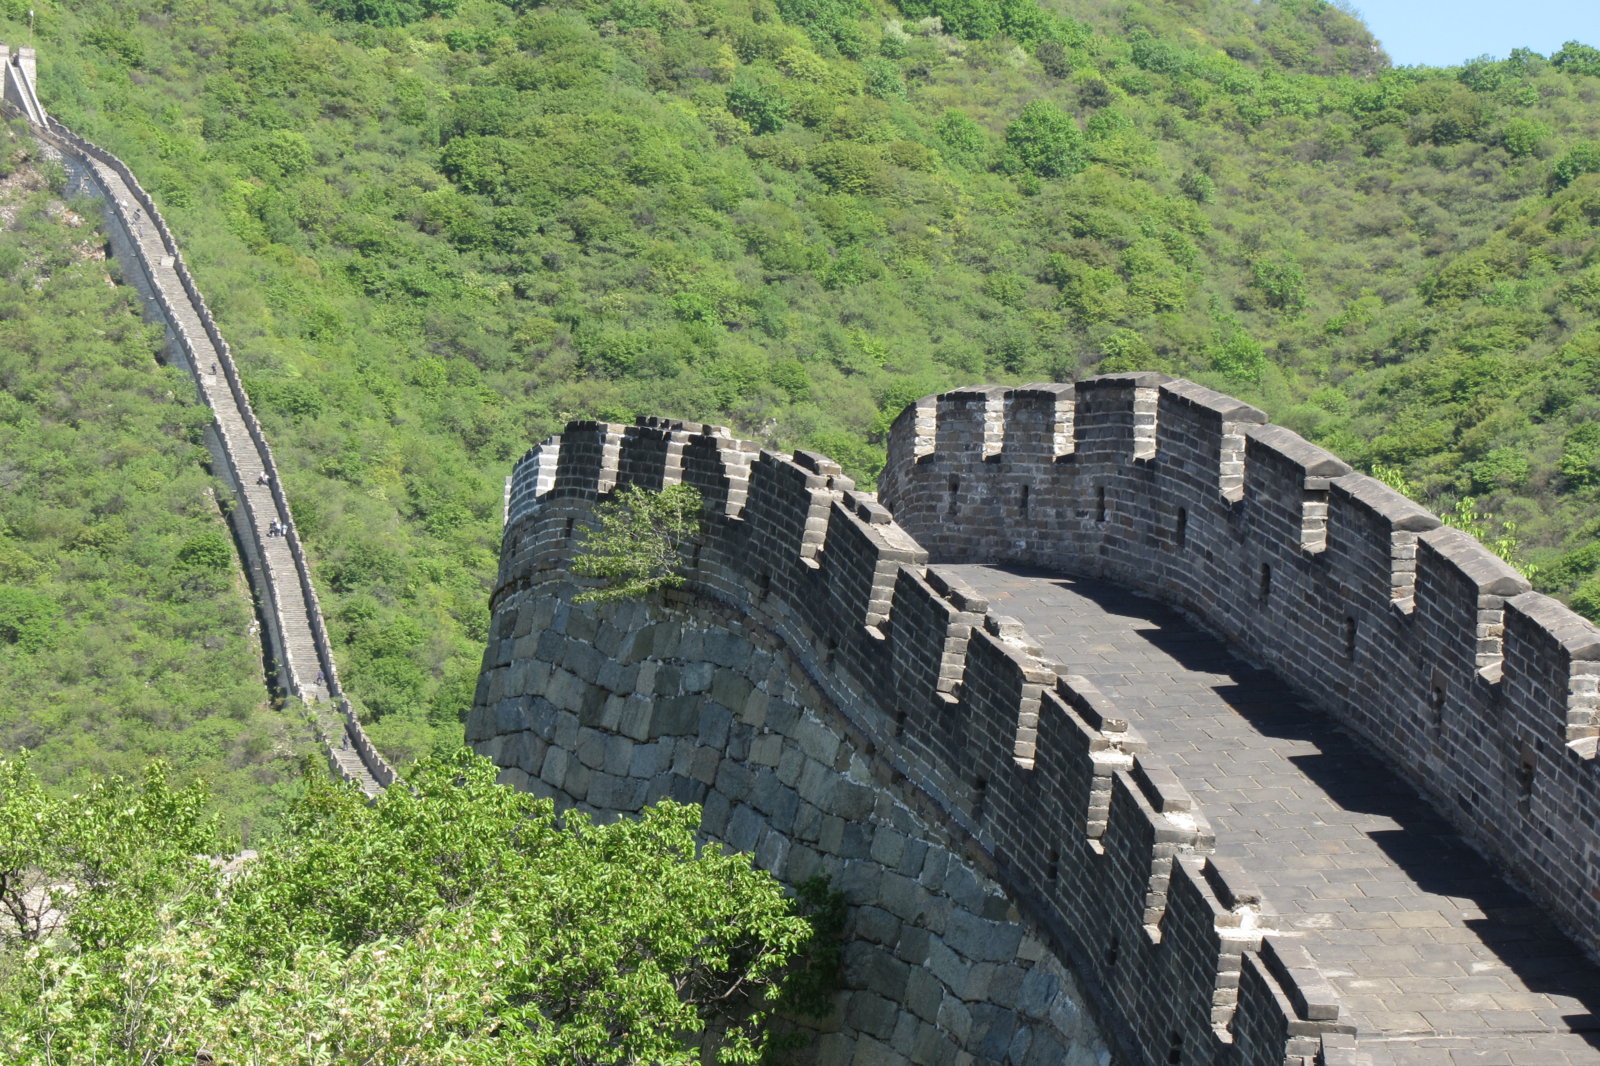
<point x="1494" y="921"/>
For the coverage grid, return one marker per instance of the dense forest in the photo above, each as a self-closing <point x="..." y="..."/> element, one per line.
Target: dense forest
<point x="435" y="229"/>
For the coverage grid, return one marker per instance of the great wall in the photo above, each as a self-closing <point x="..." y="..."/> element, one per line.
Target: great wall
<point x="294" y="638"/>
<point x="1078" y="837"/>
<point x="838" y="704"/>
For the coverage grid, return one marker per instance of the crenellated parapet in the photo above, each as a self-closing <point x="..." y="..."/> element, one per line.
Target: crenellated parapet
<point x="1412" y="634"/>
<point x="1090" y="833"/>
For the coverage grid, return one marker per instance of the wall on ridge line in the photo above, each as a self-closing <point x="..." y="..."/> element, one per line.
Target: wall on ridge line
<point x="1412" y="634"/>
<point x="337" y="729"/>
<point x="81" y="181"/>
<point x="898" y="682"/>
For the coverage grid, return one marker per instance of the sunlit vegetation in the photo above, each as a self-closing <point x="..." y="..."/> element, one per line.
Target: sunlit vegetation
<point x="434" y="231"/>
<point x="455" y="922"/>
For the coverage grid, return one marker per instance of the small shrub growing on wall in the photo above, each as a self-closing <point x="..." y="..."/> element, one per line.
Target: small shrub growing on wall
<point x="637" y="547"/>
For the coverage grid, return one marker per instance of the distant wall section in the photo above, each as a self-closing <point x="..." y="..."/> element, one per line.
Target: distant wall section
<point x="294" y="634"/>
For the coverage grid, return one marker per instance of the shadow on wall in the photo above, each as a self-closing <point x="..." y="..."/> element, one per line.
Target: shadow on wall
<point x="1412" y="635"/>
<point x="1353" y="787"/>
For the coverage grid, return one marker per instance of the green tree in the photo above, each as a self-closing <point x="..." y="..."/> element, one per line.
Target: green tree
<point x="637" y="544"/>
<point x="761" y="104"/>
<point x="386" y="12"/>
<point x="1198" y="186"/>
<point x="451" y="922"/>
<point x="1282" y="282"/>
<point x="1579" y="465"/>
<point x="28" y="618"/>
<point x="1581" y="158"/>
<point x="1045" y="142"/>
<point x="962" y="136"/>
<point x="207" y="550"/>
<point x="1579" y="58"/>
<point x="98" y="866"/>
<point x="1523" y="136"/>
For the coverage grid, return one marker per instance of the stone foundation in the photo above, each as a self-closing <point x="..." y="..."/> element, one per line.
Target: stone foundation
<point x="609" y="708"/>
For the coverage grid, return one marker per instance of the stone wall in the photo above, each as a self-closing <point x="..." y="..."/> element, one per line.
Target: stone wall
<point x="697" y="704"/>
<point x="18" y="76"/>
<point x="837" y="705"/>
<point x="1480" y="691"/>
<point x="193" y="341"/>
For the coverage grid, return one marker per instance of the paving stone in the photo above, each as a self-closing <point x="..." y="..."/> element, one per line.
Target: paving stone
<point x="1422" y="940"/>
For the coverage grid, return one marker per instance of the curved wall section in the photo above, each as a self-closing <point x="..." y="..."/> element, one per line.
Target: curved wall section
<point x="1483" y="692"/>
<point x="699" y="703"/>
<point x="837" y="705"/>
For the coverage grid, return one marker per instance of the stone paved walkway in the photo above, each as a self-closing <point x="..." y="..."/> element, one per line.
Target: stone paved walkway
<point x="280" y="573"/>
<point x="1438" y="961"/>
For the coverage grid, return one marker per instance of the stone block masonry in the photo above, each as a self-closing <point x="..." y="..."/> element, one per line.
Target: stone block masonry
<point x="1028" y="883"/>
<point x="1479" y="691"/>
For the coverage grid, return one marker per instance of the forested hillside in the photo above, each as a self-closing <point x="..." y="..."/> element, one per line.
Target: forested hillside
<point x="433" y="230"/>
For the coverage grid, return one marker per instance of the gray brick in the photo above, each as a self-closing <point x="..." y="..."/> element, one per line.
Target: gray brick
<point x="982" y="940"/>
<point x="744" y="827"/>
<point x="648" y="760"/>
<point x="714" y="724"/>
<point x="872" y="1014"/>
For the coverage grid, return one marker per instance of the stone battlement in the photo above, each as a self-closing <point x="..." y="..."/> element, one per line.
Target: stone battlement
<point x="1482" y="692"/>
<point x="1091" y="835"/>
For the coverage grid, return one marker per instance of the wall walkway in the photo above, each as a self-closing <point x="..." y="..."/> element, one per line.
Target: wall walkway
<point x="1436" y="958"/>
<point x="293" y="632"/>
<point x="1479" y="693"/>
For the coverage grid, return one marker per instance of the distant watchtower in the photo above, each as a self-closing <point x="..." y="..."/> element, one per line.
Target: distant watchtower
<point x="17" y="91"/>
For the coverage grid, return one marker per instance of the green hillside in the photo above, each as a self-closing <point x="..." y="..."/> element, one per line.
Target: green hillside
<point x="434" y="230"/>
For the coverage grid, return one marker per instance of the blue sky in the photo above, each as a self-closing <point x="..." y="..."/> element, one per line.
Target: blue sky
<point x="1445" y="32"/>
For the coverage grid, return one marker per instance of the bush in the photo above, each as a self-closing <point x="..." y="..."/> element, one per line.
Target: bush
<point x="761" y="105"/>
<point x="451" y="920"/>
<point x="1523" y="136"/>
<point x="28" y="619"/>
<point x="385" y="12"/>
<point x="638" y="543"/>
<point x="1581" y="158"/>
<point x="1045" y="142"/>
